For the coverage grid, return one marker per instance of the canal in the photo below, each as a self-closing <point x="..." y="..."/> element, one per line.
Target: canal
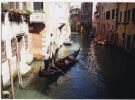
<point x="100" y="72"/>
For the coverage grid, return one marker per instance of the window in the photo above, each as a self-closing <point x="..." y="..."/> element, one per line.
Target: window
<point x="108" y="15"/>
<point x="26" y="41"/>
<point x="113" y="13"/>
<point x="38" y="6"/>
<point x="128" y="15"/>
<point x="14" y="46"/>
<point x="11" y="4"/>
<point x="120" y="16"/>
<point x="117" y="12"/>
<point x="24" y="5"/>
<point x="133" y="15"/>
<point x="76" y="10"/>
<point x="19" y="43"/>
<point x="125" y="16"/>
<point x="17" y="5"/>
<point x="14" y="5"/>
<point x="3" y="52"/>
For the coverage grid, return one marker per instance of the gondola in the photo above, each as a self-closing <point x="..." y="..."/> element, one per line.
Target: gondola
<point x="68" y="42"/>
<point x="65" y="63"/>
<point x="60" y="66"/>
<point x="50" y="72"/>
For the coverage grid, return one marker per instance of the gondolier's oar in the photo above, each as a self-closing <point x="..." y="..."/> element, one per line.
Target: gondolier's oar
<point x="68" y="76"/>
<point x="54" y="59"/>
<point x="60" y="70"/>
<point x="56" y="53"/>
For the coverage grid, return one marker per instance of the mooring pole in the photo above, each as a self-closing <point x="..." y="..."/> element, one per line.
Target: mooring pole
<point x="11" y="79"/>
<point x="2" y="86"/>
<point x="18" y="70"/>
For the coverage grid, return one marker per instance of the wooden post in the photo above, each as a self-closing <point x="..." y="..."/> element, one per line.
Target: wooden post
<point x="11" y="80"/>
<point x="18" y="70"/>
<point x="2" y="86"/>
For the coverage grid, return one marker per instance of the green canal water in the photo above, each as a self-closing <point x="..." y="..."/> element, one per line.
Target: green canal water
<point x="101" y="72"/>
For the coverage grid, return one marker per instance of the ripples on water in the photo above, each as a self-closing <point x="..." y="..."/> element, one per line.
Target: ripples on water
<point x="86" y="79"/>
<point x="91" y="77"/>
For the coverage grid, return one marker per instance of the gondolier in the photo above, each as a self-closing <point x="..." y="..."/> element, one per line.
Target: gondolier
<point x="61" y="65"/>
<point x="46" y="60"/>
<point x="67" y="61"/>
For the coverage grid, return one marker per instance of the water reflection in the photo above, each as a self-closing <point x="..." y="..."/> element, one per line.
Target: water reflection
<point x="99" y="73"/>
<point x="84" y="82"/>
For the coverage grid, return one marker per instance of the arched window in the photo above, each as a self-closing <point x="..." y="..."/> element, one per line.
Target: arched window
<point x="38" y="6"/>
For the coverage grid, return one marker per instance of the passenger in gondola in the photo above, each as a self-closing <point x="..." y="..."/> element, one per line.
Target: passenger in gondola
<point x="46" y="60"/>
<point x="66" y="62"/>
<point x="71" y="57"/>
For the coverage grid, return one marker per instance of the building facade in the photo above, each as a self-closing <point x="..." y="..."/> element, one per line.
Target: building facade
<point x="98" y="18"/>
<point x="106" y="18"/>
<point x="49" y="24"/>
<point x="115" y="24"/>
<point x="29" y="29"/>
<point x="14" y="44"/>
<point x="86" y="16"/>
<point x="75" y="18"/>
<point x="37" y="27"/>
<point x="126" y="24"/>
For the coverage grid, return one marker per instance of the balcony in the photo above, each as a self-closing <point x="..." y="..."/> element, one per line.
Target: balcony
<point x="37" y="17"/>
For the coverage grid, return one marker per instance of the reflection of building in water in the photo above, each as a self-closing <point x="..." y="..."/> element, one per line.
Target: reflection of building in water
<point x="86" y="16"/>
